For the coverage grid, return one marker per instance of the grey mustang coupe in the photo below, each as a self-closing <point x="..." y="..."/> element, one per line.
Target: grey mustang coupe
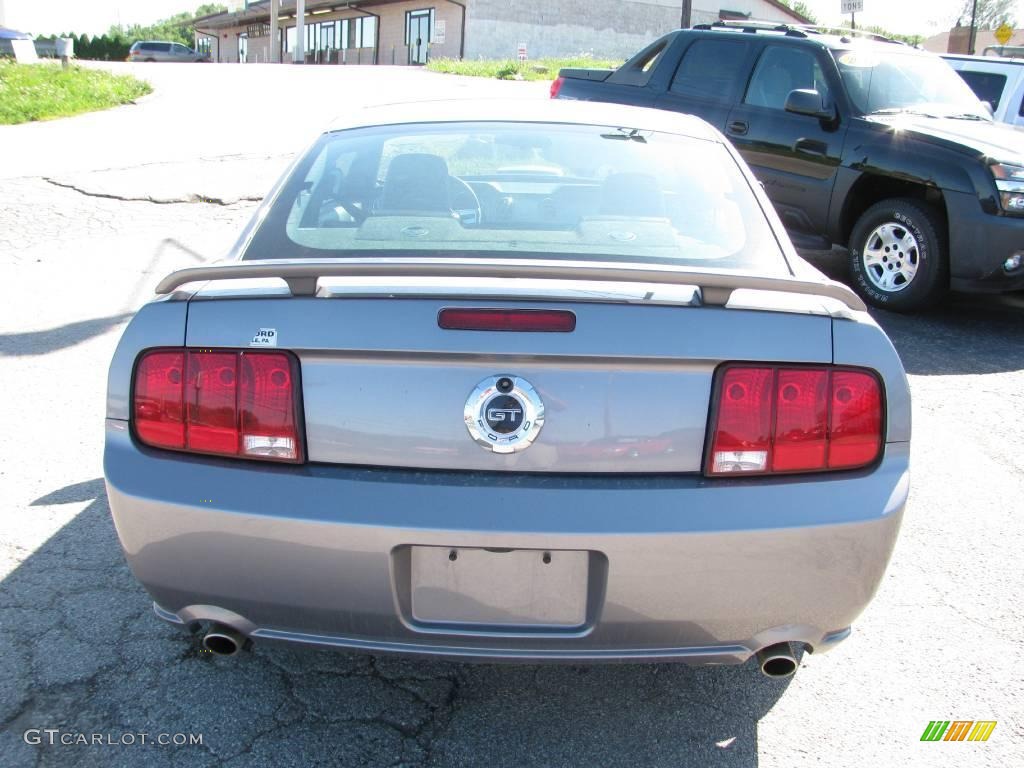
<point x="519" y="380"/>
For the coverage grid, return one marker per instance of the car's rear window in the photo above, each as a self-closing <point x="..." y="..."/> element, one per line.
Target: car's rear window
<point x="529" y="189"/>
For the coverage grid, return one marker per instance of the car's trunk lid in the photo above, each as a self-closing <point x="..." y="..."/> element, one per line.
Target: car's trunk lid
<point x="627" y="391"/>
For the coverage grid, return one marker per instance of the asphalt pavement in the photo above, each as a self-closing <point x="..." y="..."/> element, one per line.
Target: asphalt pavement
<point x="87" y="208"/>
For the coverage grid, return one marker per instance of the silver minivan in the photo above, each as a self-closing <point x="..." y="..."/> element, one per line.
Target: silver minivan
<point x="156" y="50"/>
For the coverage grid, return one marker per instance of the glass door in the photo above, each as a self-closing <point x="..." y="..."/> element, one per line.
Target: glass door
<point x="417" y="35"/>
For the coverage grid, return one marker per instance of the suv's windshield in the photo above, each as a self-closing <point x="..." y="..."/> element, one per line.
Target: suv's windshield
<point x="906" y="81"/>
<point x="520" y="189"/>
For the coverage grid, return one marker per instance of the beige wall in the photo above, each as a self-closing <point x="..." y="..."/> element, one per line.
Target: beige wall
<point x="391" y="33"/>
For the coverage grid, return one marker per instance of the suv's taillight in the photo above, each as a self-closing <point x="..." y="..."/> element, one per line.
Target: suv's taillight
<point x="556" y="86"/>
<point x="775" y="418"/>
<point x="224" y="402"/>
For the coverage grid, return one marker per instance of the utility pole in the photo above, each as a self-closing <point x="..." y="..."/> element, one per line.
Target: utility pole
<point x="974" y="28"/>
<point x="684" y="16"/>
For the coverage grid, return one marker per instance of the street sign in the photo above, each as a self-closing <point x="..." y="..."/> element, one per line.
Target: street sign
<point x="852" y="6"/>
<point x="1004" y="33"/>
<point x="521" y="53"/>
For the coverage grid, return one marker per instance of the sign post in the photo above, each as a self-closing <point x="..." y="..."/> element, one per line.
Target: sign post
<point x="852" y="7"/>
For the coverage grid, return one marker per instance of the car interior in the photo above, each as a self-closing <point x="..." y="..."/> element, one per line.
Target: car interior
<point x="514" y="183"/>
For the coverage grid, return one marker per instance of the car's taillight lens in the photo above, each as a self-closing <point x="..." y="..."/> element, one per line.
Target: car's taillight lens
<point x="556" y="86"/>
<point x="776" y="419"/>
<point x="223" y="402"/>
<point x="158" y="407"/>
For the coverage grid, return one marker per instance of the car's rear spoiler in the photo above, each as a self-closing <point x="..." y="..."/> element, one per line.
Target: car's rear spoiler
<point x="302" y="275"/>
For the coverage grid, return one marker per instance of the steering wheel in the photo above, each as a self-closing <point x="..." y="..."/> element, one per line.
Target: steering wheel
<point x="464" y="202"/>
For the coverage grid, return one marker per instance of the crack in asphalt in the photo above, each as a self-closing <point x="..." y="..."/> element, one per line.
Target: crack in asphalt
<point x="191" y="198"/>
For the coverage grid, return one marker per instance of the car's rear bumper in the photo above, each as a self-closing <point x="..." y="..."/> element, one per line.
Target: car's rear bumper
<point x="682" y="568"/>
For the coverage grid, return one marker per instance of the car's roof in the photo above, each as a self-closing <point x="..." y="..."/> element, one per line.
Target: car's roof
<point x="1000" y="60"/>
<point x="536" y="110"/>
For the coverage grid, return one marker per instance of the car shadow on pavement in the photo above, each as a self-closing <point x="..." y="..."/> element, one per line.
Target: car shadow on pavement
<point x="81" y="651"/>
<point x="44" y="342"/>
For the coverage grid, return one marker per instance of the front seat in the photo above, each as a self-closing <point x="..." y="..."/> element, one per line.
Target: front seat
<point x="416" y="183"/>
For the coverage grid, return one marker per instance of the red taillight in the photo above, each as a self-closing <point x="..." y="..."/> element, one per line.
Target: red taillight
<point x="158" y="411"/>
<point x="855" y="429"/>
<point x="535" y="320"/>
<point x="773" y="419"/>
<point x="223" y="402"/>
<point x="556" y="86"/>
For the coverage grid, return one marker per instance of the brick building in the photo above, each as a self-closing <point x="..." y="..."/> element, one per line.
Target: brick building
<point x="411" y="31"/>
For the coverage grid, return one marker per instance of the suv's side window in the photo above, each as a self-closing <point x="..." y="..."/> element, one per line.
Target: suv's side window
<point x="710" y="69"/>
<point x="180" y="49"/>
<point x="987" y="86"/>
<point x="782" y="69"/>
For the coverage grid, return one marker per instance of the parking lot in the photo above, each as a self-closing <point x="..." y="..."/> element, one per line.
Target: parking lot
<point x="87" y="206"/>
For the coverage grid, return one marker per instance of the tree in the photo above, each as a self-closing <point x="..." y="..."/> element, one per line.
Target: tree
<point x="991" y="13"/>
<point x="114" y="45"/>
<point x="801" y="7"/>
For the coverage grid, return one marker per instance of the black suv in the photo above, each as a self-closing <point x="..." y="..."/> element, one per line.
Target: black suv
<point x="865" y="143"/>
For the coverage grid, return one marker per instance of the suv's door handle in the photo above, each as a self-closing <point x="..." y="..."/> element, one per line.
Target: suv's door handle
<point x="738" y="126"/>
<point x="811" y="147"/>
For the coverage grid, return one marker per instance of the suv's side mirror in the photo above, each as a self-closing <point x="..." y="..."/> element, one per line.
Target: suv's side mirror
<point x="805" y="101"/>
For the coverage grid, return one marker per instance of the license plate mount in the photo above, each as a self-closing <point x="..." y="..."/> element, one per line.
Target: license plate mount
<point x="499" y="587"/>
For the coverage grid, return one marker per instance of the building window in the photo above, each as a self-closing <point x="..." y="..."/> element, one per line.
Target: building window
<point x="366" y="32"/>
<point x="327" y="36"/>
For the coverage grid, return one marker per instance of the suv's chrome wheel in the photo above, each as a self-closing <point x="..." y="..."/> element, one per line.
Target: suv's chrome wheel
<point x="891" y="257"/>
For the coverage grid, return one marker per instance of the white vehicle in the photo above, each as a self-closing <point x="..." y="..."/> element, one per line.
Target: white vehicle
<point x="997" y="81"/>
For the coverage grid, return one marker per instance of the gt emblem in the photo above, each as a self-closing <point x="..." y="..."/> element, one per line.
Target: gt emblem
<point x="504" y="414"/>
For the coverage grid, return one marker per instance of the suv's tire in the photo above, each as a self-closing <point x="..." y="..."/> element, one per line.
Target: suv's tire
<point x="898" y="257"/>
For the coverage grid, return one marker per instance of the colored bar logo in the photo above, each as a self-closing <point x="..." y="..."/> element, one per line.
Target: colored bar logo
<point x="958" y="730"/>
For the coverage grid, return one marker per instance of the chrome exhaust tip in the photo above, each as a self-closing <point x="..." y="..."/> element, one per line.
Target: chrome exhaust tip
<point x="776" y="660"/>
<point x="223" y="640"/>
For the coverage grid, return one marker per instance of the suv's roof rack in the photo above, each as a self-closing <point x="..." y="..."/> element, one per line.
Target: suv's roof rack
<point x="753" y="26"/>
<point x="847" y="34"/>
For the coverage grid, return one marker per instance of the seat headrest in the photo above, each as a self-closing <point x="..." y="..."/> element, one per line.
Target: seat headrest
<point x="416" y="182"/>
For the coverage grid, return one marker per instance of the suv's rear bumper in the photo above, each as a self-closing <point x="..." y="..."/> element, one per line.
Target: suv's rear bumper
<point x="692" y="569"/>
<point x="979" y="243"/>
